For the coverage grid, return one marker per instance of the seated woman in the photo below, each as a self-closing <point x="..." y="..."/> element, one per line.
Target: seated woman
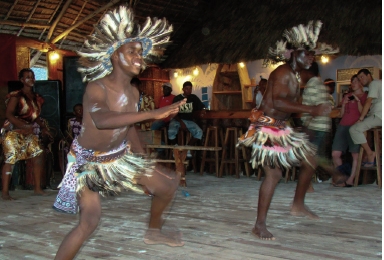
<point x="352" y="105"/>
<point x="19" y="142"/>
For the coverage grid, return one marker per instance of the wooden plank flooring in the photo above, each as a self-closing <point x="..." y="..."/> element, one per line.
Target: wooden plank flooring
<point x="215" y="220"/>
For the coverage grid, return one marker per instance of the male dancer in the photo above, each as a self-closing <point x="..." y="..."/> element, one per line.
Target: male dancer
<point x="275" y="145"/>
<point x="101" y="158"/>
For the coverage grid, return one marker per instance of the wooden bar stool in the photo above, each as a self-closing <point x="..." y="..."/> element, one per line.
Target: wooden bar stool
<point x="183" y="138"/>
<point x="377" y="146"/>
<point x="230" y="154"/>
<point x="213" y="138"/>
<point x="164" y="136"/>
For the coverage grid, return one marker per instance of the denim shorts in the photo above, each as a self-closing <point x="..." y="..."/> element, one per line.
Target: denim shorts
<point x="192" y="127"/>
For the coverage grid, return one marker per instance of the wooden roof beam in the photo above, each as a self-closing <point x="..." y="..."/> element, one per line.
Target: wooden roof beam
<point x="53" y="26"/>
<point x="85" y="19"/>
<point x="33" y="25"/>
<point x="34" y="44"/>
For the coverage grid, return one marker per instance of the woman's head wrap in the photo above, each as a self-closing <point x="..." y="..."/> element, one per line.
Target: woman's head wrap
<point x="299" y="37"/>
<point x="116" y="28"/>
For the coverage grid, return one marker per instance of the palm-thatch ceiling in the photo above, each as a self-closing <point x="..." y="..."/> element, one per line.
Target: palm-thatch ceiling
<point x="205" y="31"/>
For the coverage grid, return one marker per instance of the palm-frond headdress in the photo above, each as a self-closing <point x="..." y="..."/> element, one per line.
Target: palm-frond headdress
<point x="299" y="37"/>
<point x="116" y="28"/>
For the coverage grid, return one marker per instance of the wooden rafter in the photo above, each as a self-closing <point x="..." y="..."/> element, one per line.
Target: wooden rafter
<point x="77" y="17"/>
<point x="37" y="56"/>
<point x="53" y="26"/>
<point x="29" y="16"/>
<point x="32" y="25"/>
<point x="85" y="19"/>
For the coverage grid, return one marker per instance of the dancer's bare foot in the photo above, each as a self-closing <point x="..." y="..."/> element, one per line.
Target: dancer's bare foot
<point x="303" y="211"/>
<point x="261" y="232"/>
<point x="40" y="192"/>
<point x="156" y="237"/>
<point x="310" y="188"/>
<point x="6" y="197"/>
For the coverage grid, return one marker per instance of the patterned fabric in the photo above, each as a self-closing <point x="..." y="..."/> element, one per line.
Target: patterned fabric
<point x="18" y="147"/>
<point x="105" y="172"/>
<point x="74" y="127"/>
<point x="27" y="109"/>
<point x="315" y="93"/>
<point x="147" y="103"/>
<point x="274" y="144"/>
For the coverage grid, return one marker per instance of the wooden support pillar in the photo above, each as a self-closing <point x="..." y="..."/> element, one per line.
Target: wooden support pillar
<point x="22" y="58"/>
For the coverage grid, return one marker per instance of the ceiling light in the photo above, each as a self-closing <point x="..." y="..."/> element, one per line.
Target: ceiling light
<point x="324" y="59"/>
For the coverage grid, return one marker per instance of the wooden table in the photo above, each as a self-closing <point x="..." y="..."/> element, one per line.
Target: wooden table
<point x="180" y="154"/>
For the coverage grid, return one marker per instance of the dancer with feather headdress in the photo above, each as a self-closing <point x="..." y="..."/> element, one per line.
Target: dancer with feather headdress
<point x="107" y="158"/>
<point x="275" y="146"/>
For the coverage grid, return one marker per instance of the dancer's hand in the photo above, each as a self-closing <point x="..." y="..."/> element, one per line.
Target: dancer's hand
<point x="169" y="110"/>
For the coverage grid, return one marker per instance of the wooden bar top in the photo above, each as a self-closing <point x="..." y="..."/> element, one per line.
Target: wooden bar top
<point x="212" y="114"/>
<point x="244" y="114"/>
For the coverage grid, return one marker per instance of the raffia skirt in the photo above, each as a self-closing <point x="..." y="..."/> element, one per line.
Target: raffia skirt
<point x="275" y="144"/>
<point x="107" y="173"/>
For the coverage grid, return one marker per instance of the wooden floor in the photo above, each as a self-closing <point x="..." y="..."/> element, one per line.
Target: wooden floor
<point x="216" y="220"/>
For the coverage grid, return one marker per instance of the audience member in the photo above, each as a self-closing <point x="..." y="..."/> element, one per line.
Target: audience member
<point x="146" y="103"/>
<point x="165" y="100"/>
<point x="370" y="116"/>
<point x="185" y="118"/>
<point x="73" y="130"/>
<point x="23" y="108"/>
<point x="259" y="92"/>
<point x="351" y="107"/>
<point x="315" y="93"/>
<point x="330" y="85"/>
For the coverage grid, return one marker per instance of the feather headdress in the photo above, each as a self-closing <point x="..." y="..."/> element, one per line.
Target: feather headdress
<point x="299" y="37"/>
<point x="116" y="28"/>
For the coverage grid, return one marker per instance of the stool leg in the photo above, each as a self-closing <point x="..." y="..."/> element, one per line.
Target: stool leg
<point x="287" y="175"/>
<point x="358" y="167"/>
<point x="245" y="157"/>
<point x="222" y="137"/>
<point x="223" y="155"/>
<point x="236" y="153"/>
<point x="376" y="141"/>
<point x="259" y="172"/>
<point x="216" y="152"/>
<point x="204" y="152"/>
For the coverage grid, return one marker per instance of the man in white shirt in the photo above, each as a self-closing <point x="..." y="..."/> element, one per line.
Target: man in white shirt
<point x="372" y="109"/>
<point x="259" y="92"/>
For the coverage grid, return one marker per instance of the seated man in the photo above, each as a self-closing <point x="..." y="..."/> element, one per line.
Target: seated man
<point x="165" y="100"/>
<point x="184" y="119"/>
<point x="370" y="116"/>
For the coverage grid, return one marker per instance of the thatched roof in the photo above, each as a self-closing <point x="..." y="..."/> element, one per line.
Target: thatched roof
<point x="205" y="31"/>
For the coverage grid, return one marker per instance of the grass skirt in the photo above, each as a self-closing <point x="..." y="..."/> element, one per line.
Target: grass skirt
<point x="274" y="144"/>
<point x="105" y="172"/>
